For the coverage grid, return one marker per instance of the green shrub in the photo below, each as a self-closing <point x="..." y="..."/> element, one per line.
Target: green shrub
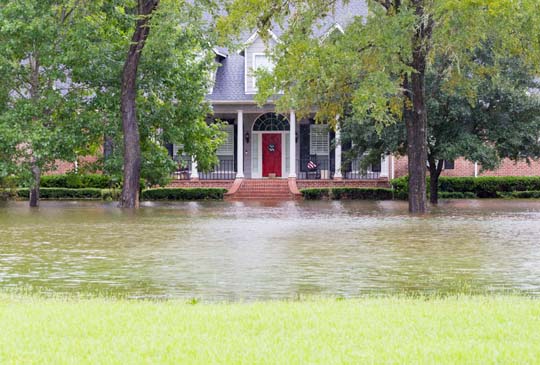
<point x="62" y="193"/>
<point x="362" y="193"/>
<point x="183" y="194"/>
<point x="77" y="181"/>
<point x="347" y="193"/>
<point x="111" y="194"/>
<point x="481" y="187"/>
<point x="315" y="193"/>
<point x="457" y="195"/>
<point x="530" y="194"/>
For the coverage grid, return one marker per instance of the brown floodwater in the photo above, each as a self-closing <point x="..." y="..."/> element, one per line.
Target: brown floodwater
<point x="241" y="251"/>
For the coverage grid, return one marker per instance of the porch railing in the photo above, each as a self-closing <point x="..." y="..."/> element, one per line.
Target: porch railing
<point x="224" y="170"/>
<point x="314" y="169"/>
<point x="355" y="172"/>
<point x="321" y="169"/>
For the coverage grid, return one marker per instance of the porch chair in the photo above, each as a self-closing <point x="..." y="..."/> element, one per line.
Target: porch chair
<point x="312" y="167"/>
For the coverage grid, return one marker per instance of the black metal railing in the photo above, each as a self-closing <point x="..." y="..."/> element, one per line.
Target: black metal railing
<point x="224" y="170"/>
<point x="354" y="171"/>
<point x="314" y="169"/>
<point x="183" y="171"/>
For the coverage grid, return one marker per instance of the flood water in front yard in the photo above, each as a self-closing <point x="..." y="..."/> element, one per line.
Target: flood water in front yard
<point x="252" y="251"/>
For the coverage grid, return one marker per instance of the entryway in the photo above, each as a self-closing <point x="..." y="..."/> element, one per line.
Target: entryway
<point x="271" y="155"/>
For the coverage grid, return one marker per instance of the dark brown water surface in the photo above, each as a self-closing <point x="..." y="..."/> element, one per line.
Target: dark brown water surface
<point x="237" y="251"/>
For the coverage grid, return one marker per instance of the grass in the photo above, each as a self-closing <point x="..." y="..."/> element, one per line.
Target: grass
<point x="388" y="330"/>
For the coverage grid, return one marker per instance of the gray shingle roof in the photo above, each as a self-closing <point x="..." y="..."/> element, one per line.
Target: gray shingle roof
<point x="230" y="77"/>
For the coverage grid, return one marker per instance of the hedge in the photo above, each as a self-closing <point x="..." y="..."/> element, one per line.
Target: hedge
<point x="62" y="193"/>
<point x="315" y="193"/>
<point x="77" y="181"/>
<point x="481" y="187"/>
<point x="530" y="194"/>
<point x="456" y="195"/>
<point x="183" y="194"/>
<point x="347" y="193"/>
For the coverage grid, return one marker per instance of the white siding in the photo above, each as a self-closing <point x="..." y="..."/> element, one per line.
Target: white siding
<point x="257" y="47"/>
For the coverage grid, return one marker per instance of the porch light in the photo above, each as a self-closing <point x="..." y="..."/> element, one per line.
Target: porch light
<point x="296" y="137"/>
<point x="247" y="137"/>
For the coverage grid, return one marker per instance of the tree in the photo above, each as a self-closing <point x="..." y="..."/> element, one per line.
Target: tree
<point x="130" y="127"/>
<point x="167" y="85"/>
<point x="43" y="114"/>
<point x="377" y="68"/>
<point x="503" y="120"/>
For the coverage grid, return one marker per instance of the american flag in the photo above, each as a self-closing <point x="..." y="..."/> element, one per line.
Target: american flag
<point x="311" y="165"/>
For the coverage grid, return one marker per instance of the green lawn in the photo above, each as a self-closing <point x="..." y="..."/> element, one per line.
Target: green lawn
<point x="455" y="330"/>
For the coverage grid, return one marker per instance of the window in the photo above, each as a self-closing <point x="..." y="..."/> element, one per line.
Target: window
<point x="319" y="140"/>
<point x="261" y="61"/>
<point x="376" y="167"/>
<point x="227" y="148"/>
<point x="449" y="164"/>
<point x="271" y="122"/>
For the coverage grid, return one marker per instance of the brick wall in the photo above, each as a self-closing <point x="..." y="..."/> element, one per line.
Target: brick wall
<point x="463" y="167"/>
<point x="306" y="184"/>
<point x="63" y="167"/>
<point x="224" y="184"/>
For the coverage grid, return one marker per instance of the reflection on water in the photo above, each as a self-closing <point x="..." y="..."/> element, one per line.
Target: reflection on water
<point x="240" y="251"/>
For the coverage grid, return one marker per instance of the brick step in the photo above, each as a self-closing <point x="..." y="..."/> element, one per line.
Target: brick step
<point x="270" y="195"/>
<point x="273" y="190"/>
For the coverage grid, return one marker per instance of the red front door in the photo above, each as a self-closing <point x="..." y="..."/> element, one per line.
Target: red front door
<point x="271" y="151"/>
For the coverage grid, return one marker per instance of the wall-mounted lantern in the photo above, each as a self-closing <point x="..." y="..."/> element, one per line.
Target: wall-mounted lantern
<point x="247" y="137"/>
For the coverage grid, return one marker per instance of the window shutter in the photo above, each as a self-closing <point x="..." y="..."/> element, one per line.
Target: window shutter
<point x="304" y="146"/>
<point x="319" y="140"/>
<point x="227" y="148"/>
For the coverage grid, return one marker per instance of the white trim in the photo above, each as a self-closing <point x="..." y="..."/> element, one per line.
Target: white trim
<point x="240" y="144"/>
<point x="256" y="35"/>
<point x="331" y="30"/>
<point x="260" y="156"/>
<point x="215" y="50"/>
<point x="254" y="84"/>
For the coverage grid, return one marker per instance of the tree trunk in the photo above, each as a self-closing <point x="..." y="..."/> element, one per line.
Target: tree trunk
<point x="435" y="169"/>
<point x="130" y="127"/>
<point x="34" y="189"/>
<point x="416" y="120"/>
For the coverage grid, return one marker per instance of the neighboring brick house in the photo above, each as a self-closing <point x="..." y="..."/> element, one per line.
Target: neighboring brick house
<point x="462" y="167"/>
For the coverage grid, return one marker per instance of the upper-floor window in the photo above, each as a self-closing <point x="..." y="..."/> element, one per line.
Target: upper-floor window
<point x="261" y="62"/>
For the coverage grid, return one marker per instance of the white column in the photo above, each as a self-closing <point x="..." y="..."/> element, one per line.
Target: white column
<point x="337" y="173"/>
<point x="384" y="166"/>
<point x="292" y="145"/>
<point x="194" y="170"/>
<point x="240" y="145"/>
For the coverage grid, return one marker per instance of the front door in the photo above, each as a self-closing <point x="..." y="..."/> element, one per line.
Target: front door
<point x="271" y="151"/>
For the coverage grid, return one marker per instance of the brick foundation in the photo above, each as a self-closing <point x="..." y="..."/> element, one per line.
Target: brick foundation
<point x="224" y="184"/>
<point x="306" y="184"/>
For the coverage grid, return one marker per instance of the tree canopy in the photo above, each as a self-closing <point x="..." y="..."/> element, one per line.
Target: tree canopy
<point x="376" y="69"/>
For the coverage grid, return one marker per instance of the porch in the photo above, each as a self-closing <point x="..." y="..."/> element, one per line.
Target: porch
<point x="259" y="145"/>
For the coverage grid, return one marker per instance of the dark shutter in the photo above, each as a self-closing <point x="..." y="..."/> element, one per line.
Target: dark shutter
<point x="376" y="167"/>
<point x="332" y="152"/>
<point x="304" y="146"/>
<point x="170" y="149"/>
<point x="235" y="147"/>
<point x="346" y="146"/>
